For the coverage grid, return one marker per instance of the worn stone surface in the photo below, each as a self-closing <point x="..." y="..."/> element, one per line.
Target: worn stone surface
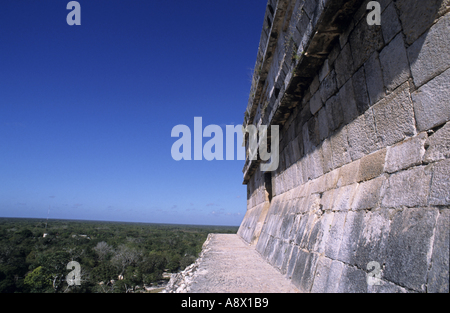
<point x="323" y="124"/>
<point x="431" y="104"/>
<point x="405" y="154"/>
<point x="316" y="103"/>
<point x="335" y="235"/>
<point x="344" y="66"/>
<point x="360" y="91"/>
<point x="369" y="194"/>
<point x="348" y="174"/>
<point x="328" y="86"/>
<point x="394" y="116"/>
<point x="438" y="275"/>
<point x="375" y="85"/>
<point x="364" y="40"/>
<point x="334" y="113"/>
<point x="348" y="102"/>
<point x="429" y="55"/>
<point x="373" y="241"/>
<point x="353" y="227"/>
<point x="216" y="270"/>
<point x="372" y="165"/>
<point x="391" y="24"/>
<point x="362" y="135"/>
<point x="340" y="148"/>
<point x="344" y="198"/>
<point x="322" y="272"/>
<point x="417" y="16"/>
<point x="352" y="280"/>
<point x="440" y="184"/>
<point x="438" y="145"/>
<point x="394" y="63"/>
<point x="364" y="163"/>
<point x="410" y="241"/>
<point x="408" y="188"/>
<point x="327" y="156"/>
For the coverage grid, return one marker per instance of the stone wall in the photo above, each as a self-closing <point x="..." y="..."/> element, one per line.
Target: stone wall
<point x="364" y="168"/>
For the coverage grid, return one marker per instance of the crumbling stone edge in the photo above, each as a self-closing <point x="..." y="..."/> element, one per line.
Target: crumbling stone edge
<point x="181" y="282"/>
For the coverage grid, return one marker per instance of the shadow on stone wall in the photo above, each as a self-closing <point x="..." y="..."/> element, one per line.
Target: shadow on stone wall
<point x="363" y="172"/>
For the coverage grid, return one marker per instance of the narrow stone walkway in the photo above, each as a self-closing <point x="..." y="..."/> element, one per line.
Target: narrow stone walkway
<point x="229" y="265"/>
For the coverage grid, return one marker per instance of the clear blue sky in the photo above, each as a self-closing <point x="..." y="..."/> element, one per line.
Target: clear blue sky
<point x="86" y="112"/>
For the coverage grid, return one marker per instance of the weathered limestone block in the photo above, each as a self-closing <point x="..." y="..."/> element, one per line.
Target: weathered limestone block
<point x="334" y="113"/>
<point x="352" y="280"/>
<point x="306" y="227"/>
<point x="394" y="116"/>
<point x="328" y="86"/>
<point x="343" y="200"/>
<point x="317" y="185"/>
<point x="315" y="84"/>
<point x="328" y="199"/>
<point x="431" y="104"/>
<point x="438" y="275"/>
<point x="429" y="55"/>
<point x="385" y="287"/>
<point x="303" y="273"/>
<point x="299" y="173"/>
<point x="373" y="241"/>
<point x="364" y="40"/>
<point x="325" y="70"/>
<point x="394" y="63"/>
<point x="315" y="163"/>
<point x="360" y="91"/>
<point x="308" y="274"/>
<point x="296" y="150"/>
<point x="335" y="235"/>
<point x="374" y="78"/>
<point x="291" y="262"/>
<point x="348" y="174"/>
<point x="343" y="38"/>
<point x="369" y="194"/>
<point x="405" y="154"/>
<point x="390" y="23"/>
<point x="320" y="233"/>
<point x="316" y="103"/>
<point x="371" y="165"/>
<point x="331" y="179"/>
<point x="311" y="137"/>
<point x="249" y="223"/>
<point x="270" y="248"/>
<point x="327" y="156"/>
<point x="299" y="267"/>
<point x="279" y="255"/>
<point x="334" y="276"/>
<point x="354" y="224"/>
<point x="322" y="272"/>
<point x="408" y="188"/>
<point x="323" y="124"/>
<point x="440" y="184"/>
<point x="287" y="257"/>
<point x="438" y="145"/>
<point x="409" y="244"/>
<point x="362" y="136"/>
<point x="344" y="66"/>
<point x="347" y="99"/>
<point x="263" y="241"/>
<point x="340" y="148"/>
<point x="417" y="16"/>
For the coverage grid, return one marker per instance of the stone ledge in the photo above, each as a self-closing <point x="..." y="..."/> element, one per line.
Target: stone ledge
<point x="228" y="265"/>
